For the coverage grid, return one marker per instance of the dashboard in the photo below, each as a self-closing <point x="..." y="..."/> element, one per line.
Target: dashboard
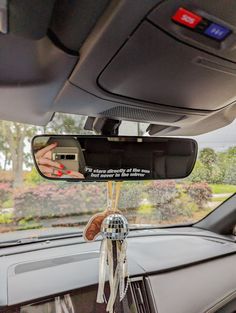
<point x="181" y="270"/>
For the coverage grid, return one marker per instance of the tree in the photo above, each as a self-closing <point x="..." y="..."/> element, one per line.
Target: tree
<point x="232" y="152"/>
<point x="66" y="124"/>
<point x="199" y="173"/>
<point x="4" y="149"/>
<point x="209" y="159"/>
<point x="16" y="136"/>
<point x="13" y="137"/>
<point x="230" y="174"/>
<point x="215" y="167"/>
<point x="228" y="164"/>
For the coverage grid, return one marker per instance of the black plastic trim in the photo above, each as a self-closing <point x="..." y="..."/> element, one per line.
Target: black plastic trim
<point x="53" y="37"/>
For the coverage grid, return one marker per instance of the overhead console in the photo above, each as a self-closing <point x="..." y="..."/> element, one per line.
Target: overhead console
<point x="197" y="71"/>
<point x="205" y="25"/>
<point x="172" y="64"/>
<point x="155" y="68"/>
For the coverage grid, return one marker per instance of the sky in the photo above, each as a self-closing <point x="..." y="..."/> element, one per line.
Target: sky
<point x="219" y="139"/>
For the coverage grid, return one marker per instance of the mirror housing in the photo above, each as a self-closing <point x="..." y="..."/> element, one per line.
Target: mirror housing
<point x="102" y="158"/>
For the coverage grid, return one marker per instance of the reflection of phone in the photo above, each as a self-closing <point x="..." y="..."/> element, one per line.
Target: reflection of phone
<point x="68" y="156"/>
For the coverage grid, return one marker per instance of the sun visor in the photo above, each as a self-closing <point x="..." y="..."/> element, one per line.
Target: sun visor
<point x="32" y="74"/>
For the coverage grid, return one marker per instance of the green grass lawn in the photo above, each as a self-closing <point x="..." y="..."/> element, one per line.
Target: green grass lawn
<point x="221" y="188"/>
<point x="219" y="199"/>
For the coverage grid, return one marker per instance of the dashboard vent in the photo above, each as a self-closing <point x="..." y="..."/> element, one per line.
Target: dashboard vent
<point x="140" y="296"/>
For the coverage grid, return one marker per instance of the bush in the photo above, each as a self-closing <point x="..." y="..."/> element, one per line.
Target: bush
<point x="57" y="200"/>
<point x="162" y="192"/>
<point x="33" y="178"/>
<point x="200" y="193"/>
<point x="8" y="204"/>
<point x="170" y="201"/>
<point x="164" y="196"/>
<point x="131" y="195"/>
<point x="6" y="218"/>
<point x="5" y="192"/>
<point x="6" y="177"/>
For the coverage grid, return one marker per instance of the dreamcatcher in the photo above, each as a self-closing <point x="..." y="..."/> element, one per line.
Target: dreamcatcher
<point x="113" y="227"/>
<point x="64" y="304"/>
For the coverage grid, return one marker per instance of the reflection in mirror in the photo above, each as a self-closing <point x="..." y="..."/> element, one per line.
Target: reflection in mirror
<point x="99" y="158"/>
<point x="62" y="157"/>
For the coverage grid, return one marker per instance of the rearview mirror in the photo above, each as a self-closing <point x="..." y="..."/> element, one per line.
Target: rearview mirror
<point x="99" y="158"/>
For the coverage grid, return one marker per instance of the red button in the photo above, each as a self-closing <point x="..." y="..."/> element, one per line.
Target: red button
<point x="186" y="18"/>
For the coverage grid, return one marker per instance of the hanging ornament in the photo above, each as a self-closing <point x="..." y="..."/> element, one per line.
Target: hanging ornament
<point x="114" y="229"/>
<point x="93" y="227"/>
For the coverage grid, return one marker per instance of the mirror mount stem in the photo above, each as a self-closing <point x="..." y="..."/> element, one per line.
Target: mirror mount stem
<point x="103" y="125"/>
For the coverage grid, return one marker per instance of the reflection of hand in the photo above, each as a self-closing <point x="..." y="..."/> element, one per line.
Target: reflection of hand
<point x="52" y="168"/>
<point x="46" y="165"/>
<point x="74" y="174"/>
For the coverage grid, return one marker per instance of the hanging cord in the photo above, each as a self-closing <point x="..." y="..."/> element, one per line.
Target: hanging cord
<point x="109" y="195"/>
<point x="117" y="277"/>
<point x="113" y="195"/>
<point x="113" y="254"/>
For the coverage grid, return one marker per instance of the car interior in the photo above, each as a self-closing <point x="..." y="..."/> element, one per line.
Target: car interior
<point x="168" y="64"/>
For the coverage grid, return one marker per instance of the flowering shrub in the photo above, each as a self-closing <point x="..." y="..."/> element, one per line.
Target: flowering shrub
<point x="6" y="177"/>
<point x="163" y="194"/>
<point x="5" y="192"/>
<point x="131" y="195"/>
<point x="201" y="193"/>
<point x="155" y="200"/>
<point x="58" y="200"/>
<point x="168" y="200"/>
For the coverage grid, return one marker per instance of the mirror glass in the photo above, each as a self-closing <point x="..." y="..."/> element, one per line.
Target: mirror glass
<point x="100" y="158"/>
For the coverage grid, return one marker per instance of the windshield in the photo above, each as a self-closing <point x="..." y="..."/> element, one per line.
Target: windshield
<point x="27" y="201"/>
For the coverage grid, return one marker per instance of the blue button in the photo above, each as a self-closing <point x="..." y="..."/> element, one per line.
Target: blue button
<point x="217" y="31"/>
